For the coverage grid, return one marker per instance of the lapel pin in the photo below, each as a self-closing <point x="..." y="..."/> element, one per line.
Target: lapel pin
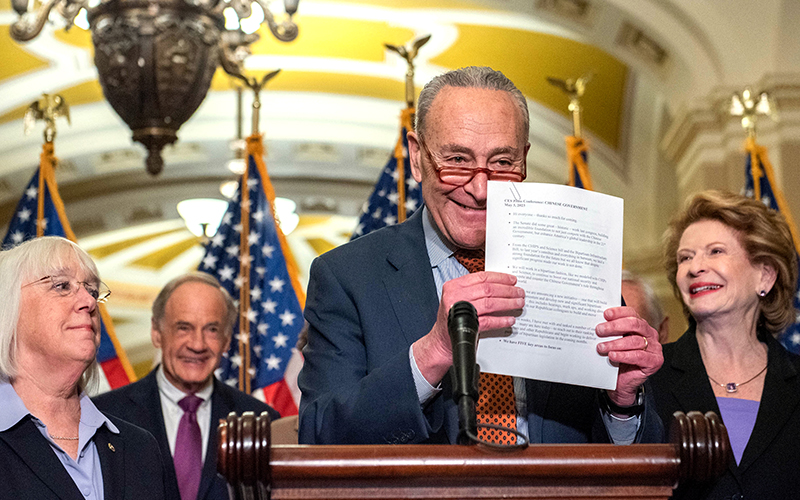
<point x="111" y="447"/>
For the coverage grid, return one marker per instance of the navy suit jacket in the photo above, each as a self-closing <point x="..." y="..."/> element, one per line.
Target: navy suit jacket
<point x="131" y="464"/>
<point x="140" y="404"/>
<point x="771" y="461"/>
<point x="368" y="301"/>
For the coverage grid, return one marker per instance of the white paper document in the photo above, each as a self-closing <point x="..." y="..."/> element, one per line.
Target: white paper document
<point x="564" y="245"/>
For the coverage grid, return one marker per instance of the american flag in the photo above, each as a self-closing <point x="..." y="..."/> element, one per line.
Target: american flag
<point x="251" y="259"/>
<point x="578" y="167"/>
<point x="392" y="201"/>
<point x="42" y="192"/>
<point x="760" y="184"/>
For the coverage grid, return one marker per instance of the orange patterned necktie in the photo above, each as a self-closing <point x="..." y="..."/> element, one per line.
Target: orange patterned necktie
<point x="496" y="401"/>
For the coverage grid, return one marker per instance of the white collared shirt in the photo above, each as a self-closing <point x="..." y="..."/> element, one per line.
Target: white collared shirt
<point x="170" y="395"/>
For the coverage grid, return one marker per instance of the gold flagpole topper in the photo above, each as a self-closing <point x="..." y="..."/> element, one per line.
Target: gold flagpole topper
<point x="574" y="89"/>
<point x="47" y="109"/>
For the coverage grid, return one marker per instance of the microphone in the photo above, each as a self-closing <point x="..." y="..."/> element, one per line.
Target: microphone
<point x="462" y="325"/>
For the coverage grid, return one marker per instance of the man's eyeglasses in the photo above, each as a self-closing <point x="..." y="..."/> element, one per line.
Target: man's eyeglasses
<point x="66" y="286"/>
<point x="458" y="170"/>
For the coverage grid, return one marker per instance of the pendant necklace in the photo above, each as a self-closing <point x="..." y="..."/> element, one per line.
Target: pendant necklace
<point x="733" y="386"/>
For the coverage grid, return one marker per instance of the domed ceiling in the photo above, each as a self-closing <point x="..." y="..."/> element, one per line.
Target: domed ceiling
<point x="331" y="117"/>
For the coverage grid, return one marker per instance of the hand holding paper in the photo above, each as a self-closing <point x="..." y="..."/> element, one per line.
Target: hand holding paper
<point x="492" y="294"/>
<point x="638" y="352"/>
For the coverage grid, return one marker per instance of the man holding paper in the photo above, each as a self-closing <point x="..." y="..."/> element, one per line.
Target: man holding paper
<point x="378" y="347"/>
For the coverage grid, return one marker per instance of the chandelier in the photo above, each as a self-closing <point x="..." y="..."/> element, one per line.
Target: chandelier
<point x="156" y="58"/>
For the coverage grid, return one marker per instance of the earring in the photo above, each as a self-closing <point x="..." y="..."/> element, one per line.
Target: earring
<point x="763" y="293"/>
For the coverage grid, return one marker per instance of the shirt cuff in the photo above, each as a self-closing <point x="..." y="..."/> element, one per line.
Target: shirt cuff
<point x="425" y="391"/>
<point x="621" y="430"/>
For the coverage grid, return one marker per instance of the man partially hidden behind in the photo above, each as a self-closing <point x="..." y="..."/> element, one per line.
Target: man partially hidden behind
<point x="378" y="350"/>
<point x="181" y="401"/>
<point x="640" y="295"/>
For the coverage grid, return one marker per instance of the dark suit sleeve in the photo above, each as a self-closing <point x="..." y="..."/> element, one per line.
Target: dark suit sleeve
<point x="651" y="427"/>
<point x="355" y="390"/>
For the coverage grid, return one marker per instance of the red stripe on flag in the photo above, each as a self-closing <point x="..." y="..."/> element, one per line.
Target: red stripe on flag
<point x="115" y="373"/>
<point x="279" y="396"/>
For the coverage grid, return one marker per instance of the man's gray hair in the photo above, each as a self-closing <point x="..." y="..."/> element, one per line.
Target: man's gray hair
<point x="479" y="77"/>
<point x="654" y="309"/>
<point x="25" y="263"/>
<point x="160" y="304"/>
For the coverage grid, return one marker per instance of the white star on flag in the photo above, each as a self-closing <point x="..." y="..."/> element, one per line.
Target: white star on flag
<point x="267" y="251"/>
<point x="280" y="340"/>
<point x="31" y="192"/>
<point x="251" y="316"/>
<point x="210" y="261"/>
<point x="24" y="214"/>
<point x="226" y="274"/>
<point x="269" y="306"/>
<point x="273" y="362"/>
<point x="276" y="284"/>
<point x="287" y="318"/>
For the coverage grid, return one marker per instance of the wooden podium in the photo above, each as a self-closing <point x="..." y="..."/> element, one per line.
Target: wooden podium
<point x="698" y="452"/>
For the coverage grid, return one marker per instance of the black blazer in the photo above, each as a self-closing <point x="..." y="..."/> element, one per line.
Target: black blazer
<point x="140" y="404"/>
<point x="770" y="466"/>
<point x="130" y="461"/>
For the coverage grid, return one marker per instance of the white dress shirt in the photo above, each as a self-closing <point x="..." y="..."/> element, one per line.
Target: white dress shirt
<point x="170" y="395"/>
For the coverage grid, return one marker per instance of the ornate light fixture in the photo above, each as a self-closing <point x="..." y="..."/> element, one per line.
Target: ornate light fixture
<point x="750" y="106"/>
<point x="156" y="58"/>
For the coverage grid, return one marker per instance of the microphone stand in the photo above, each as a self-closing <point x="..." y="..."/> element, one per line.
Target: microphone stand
<point x="462" y="325"/>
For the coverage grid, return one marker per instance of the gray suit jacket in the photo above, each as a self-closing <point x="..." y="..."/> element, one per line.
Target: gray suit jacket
<point x="368" y="301"/>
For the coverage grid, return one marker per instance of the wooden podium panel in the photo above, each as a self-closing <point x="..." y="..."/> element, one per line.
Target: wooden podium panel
<point x="699" y="452"/>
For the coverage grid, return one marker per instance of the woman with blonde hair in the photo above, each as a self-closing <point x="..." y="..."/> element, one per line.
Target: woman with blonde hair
<point x="732" y="262"/>
<point x="54" y="443"/>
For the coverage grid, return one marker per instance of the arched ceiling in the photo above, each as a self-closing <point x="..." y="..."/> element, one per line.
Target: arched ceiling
<point x="331" y="117"/>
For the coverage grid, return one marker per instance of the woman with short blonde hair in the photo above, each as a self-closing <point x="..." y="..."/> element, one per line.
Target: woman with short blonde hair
<point x="732" y="262"/>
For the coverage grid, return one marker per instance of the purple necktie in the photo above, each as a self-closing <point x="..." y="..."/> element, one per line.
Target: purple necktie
<point x="189" y="449"/>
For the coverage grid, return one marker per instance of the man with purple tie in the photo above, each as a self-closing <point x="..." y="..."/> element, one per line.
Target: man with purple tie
<point x="180" y="401"/>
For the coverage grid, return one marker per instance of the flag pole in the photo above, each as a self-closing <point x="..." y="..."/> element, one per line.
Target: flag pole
<point x="47" y="109"/>
<point x="576" y="146"/>
<point x="749" y="106"/>
<point x="406" y="118"/>
<point x="255" y="151"/>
